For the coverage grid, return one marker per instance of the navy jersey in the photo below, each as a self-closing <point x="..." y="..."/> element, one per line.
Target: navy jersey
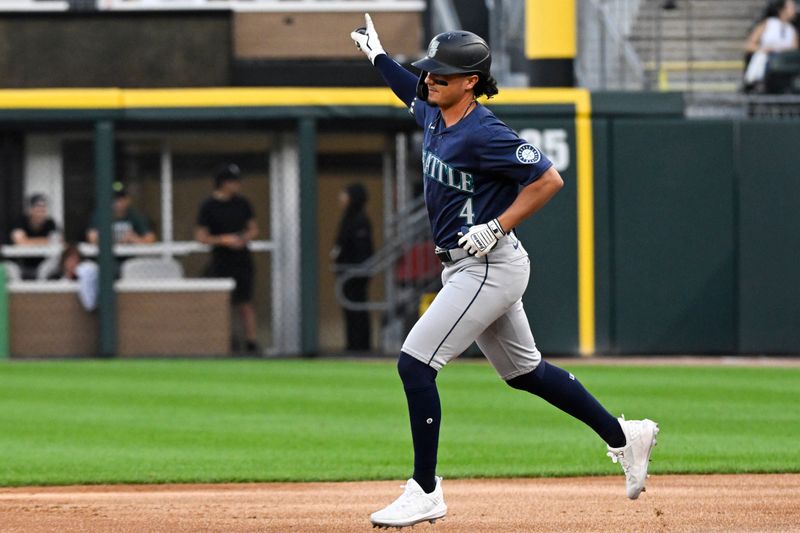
<point x="473" y="170"/>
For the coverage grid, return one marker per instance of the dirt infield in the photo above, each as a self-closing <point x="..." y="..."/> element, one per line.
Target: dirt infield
<point x="673" y="503"/>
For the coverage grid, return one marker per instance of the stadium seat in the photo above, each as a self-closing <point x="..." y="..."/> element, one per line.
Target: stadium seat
<point x="48" y="267"/>
<point x="783" y="73"/>
<point x="144" y="268"/>
<point x="13" y="272"/>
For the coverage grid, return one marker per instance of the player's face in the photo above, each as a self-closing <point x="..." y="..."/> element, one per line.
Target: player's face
<point x="447" y="90"/>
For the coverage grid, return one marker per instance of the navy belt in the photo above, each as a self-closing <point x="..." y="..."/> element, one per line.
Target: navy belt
<point x="452" y="255"/>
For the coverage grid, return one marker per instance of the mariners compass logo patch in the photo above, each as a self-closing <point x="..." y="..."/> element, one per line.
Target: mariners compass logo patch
<point x="528" y="154"/>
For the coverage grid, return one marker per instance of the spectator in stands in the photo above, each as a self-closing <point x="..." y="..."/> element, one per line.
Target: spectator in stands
<point x="34" y="228"/>
<point x="419" y="271"/>
<point x="774" y="34"/>
<point x="73" y="267"/>
<point x="67" y="267"/>
<point x="129" y="225"/>
<point x="227" y="223"/>
<point x="354" y="246"/>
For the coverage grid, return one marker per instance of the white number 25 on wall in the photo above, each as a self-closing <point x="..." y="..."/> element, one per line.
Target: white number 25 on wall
<point x="553" y="143"/>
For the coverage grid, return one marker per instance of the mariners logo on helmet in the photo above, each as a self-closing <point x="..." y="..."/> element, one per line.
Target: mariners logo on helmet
<point x="433" y="48"/>
<point x="528" y="154"/>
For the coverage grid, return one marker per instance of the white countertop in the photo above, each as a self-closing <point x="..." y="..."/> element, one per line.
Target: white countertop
<point x="156" y="248"/>
<point x="170" y="285"/>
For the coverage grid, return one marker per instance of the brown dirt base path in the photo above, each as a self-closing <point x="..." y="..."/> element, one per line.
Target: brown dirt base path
<point x="672" y="503"/>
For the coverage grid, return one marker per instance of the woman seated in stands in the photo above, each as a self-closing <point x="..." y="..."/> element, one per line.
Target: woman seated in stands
<point x="73" y="267"/>
<point x="774" y="34"/>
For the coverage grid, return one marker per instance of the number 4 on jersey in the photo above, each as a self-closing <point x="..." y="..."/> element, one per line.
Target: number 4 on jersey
<point x="466" y="212"/>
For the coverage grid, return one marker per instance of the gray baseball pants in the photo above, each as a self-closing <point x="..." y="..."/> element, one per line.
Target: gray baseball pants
<point x="481" y="301"/>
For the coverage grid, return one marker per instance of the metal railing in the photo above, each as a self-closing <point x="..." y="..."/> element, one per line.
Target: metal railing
<point x="733" y="105"/>
<point x="205" y="5"/>
<point x="162" y="249"/>
<point x="606" y="59"/>
<point x="33" y="5"/>
<point x="409" y="270"/>
<point x="414" y="219"/>
<point x="264" y="5"/>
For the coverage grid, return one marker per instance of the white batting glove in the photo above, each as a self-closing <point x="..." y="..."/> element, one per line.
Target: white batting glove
<point x="367" y="41"/>
<point x="481" y="239"/>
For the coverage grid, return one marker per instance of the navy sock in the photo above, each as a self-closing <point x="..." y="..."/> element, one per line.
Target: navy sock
<point x="561" y="389"/>
<point x="425" y="413"/>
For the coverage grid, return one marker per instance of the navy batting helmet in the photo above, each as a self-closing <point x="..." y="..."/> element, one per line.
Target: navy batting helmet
<point x="454" y="52"/>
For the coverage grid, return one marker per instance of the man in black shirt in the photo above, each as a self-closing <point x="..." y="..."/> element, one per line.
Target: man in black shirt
<point x="33" y="228"/>
<point x="226" y="222"/>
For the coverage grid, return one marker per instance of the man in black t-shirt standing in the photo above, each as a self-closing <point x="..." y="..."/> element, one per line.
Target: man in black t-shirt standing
<point x="226" y="222"/>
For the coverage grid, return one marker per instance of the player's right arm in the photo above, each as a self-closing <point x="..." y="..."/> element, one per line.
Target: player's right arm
<point x="402" y="82"/>
<point x="531" y="198"/>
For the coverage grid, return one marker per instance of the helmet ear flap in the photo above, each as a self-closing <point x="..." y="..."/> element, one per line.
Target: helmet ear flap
<point x="422" y="88"/>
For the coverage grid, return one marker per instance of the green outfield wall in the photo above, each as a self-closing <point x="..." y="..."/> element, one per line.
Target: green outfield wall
<point x="552" y="300"/>
<point x="672" y="230"/>
<point x="768" y="235"/>
<point x="670" y="235"/>
<point x="698" y="248"/>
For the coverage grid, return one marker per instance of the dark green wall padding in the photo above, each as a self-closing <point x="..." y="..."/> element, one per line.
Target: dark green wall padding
<point x="698" y="235"/>
<point x="673" y="242"/>
<point x="551" y="239"/>
<point x="769" y="236"/>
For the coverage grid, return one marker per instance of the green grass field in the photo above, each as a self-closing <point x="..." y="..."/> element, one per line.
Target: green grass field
<point x="213" y="421"/>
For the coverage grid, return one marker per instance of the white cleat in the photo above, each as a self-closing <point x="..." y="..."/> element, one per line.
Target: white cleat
<point x="634" y="457"/>
<point x="412" y="507"/>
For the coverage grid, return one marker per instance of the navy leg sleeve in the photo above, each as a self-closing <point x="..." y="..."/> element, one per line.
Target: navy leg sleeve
<point x="425" y="412"/>
<point x="561" y="389"/>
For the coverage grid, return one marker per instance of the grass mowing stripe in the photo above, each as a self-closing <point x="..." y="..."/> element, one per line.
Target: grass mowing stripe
<point x="210" y="421"/>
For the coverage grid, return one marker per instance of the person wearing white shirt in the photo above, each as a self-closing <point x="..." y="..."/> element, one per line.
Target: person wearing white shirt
<point x="73" y="267"/>
<point x="773" y="35"/>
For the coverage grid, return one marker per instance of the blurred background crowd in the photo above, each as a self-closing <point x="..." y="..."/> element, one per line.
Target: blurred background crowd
<point x="208" y="209"/>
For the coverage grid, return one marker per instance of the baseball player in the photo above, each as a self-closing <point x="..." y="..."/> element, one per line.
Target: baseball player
<point x="480" y="181"/>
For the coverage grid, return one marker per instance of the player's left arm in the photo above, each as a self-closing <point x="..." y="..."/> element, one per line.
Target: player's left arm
<point x="531" y="198"/>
